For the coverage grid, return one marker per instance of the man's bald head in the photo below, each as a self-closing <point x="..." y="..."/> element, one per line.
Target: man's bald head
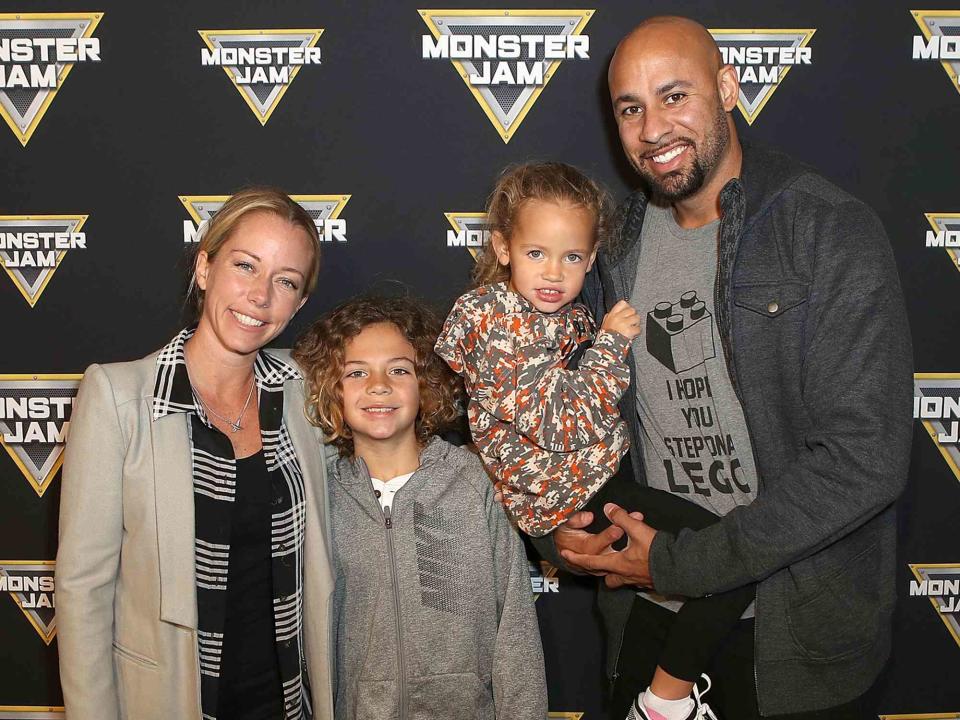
<point x="672" y="97"/>
<point x="672" y="34"/>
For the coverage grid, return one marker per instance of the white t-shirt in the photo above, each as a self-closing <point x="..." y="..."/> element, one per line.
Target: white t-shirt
<point x="386" y="489"/>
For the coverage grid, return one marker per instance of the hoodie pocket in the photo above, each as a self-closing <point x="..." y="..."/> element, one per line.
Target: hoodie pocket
<point x="376" y="699"/>
<point x="842" y="616"/>
<point x="461" y="695"/>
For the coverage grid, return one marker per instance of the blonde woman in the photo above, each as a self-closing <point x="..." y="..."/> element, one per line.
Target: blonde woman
<point x="192" y="575"/>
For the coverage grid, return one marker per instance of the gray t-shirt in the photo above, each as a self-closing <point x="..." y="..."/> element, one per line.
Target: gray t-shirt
<point x="694" y="436"/>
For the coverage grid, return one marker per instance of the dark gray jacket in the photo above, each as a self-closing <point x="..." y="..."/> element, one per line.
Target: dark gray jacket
<point x="813" y="327"/>
<point x="433" y="610"/>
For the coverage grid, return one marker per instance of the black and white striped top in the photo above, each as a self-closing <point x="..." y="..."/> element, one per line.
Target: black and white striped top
<point x="214" y="478"/>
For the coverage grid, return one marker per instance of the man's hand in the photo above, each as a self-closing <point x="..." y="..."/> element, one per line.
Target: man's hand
<point x="572" y="539"/>
<point x="630" y="566"/>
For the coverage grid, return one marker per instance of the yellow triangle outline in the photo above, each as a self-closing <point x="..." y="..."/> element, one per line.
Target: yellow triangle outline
<point x="40" y="631"/>
<point x="451" y="218"/>
<point x="807" y="33"/>
<point x="952" y="252"/>
<point x="341" y="200"/>
<point x="565" y="715"/>
<point x="928" y="425"/>
<point x="94" y="18"/>
<point x="39" y="487"/>
<point x="32" y="301"/>
<point x="919" y="16"/>
<point x="45" y="709"/>
<point x="923" y="716"/>
<point x="295" y="69"/>
<point x="507" y="134"/>
<point x="915" y="569"/>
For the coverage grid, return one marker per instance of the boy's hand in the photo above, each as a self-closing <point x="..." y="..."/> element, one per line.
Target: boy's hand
<point x="622" y="319"/>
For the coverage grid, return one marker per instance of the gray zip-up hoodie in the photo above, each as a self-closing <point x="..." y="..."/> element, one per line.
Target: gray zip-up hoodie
<point x="433" y="609"/>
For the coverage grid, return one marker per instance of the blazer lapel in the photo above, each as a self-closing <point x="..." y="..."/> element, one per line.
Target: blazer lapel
<point x="306" y="442"/>
<point x="173" y="485"/>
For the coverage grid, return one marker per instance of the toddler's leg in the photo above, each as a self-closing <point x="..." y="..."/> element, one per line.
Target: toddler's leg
<point x="702" y="624"/>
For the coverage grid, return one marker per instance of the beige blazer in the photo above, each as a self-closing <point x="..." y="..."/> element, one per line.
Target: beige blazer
<point x="126" y="598"/>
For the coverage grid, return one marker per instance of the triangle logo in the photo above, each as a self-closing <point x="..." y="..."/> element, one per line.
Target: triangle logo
<point x="936" y="401"/>
<point x="47" y="238"/>
<point x="34" y="421"/>
<point x="261" y="64"/>
<point x="942" y="224"/>
<point x="940" y="583"/>
<point x="762" y="58"/>
<point x="937" y="24"/>
<point x="923" y="716"/>
<point x="54" y="42"/>
<point x="470" y="230"/>
<point x="565" y="715"/>
<point x="543" y="578"/>
<point x="321" y="208"/>
<point x="31" y="585"/>
<point x="506" y="77"/>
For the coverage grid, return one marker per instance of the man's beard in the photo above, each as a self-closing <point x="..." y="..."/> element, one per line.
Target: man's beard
<point x="681" y="184"/>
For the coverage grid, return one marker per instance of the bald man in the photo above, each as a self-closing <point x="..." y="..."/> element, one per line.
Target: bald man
<point x="771" y="384"/>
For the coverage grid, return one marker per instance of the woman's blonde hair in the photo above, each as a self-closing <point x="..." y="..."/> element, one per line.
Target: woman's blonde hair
<point x="321" y="350"/>
<point x="231" y="213"/>
<point x="546" y="181"/>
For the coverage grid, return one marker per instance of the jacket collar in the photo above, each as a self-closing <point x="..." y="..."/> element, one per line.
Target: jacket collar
<point x="764" y="175"/>
<point x="173" y="393"/>
<point x="351" y="470"/>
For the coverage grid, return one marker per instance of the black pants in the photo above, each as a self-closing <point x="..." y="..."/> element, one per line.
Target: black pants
<point x="733" y="695"/>
<point x="703" y="623"/>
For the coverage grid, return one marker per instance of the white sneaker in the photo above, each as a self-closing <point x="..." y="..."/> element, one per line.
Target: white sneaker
<point x="701" y="710"/>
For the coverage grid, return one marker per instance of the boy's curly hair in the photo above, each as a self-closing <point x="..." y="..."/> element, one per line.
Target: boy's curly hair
<point x="320" y="353"/>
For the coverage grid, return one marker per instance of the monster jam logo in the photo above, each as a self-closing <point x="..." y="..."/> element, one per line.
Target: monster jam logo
<point x="940" y="583"/>
<point x="470" y="231"/>
<point x="32" y="247"/>
<point x="324" y="209"/>
<point x="30" y="584"/>
<point x="261" y="64"/>
<point x="945" y="234"/>
<point x="34" y="420"/>
<point x="936" y="402"/>
<point x="37" y="52"/>
<point x="543" y="578"/>
<point x="940" y="40"/>
<point x="506" y="57"/>
<point x="762" y="59"/>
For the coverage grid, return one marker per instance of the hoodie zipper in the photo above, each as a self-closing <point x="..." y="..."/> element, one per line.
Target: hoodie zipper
<point x="386" y="515"/>
<point x="401" y="676"/>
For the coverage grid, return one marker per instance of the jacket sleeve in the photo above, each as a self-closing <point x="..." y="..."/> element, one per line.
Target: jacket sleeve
<point x="519" y="680"/>
<point x="91" y="530"/>
<point x="857" y="393"/>
<point x="558" y="409"/>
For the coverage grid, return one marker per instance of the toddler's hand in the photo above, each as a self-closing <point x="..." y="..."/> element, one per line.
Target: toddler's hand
<point x="623" y="319"/>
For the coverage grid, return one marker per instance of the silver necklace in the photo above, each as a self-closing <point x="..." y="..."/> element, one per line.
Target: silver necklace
<point x="235" y="425"/>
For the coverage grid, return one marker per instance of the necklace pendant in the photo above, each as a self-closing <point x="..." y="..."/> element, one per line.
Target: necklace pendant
<point x="234" y="427"/>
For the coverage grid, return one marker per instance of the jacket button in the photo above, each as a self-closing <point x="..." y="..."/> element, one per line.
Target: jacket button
<point x="773" y="307"/>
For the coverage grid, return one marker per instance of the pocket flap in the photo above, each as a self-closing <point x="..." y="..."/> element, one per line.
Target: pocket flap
<point x="770" y="299"/>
